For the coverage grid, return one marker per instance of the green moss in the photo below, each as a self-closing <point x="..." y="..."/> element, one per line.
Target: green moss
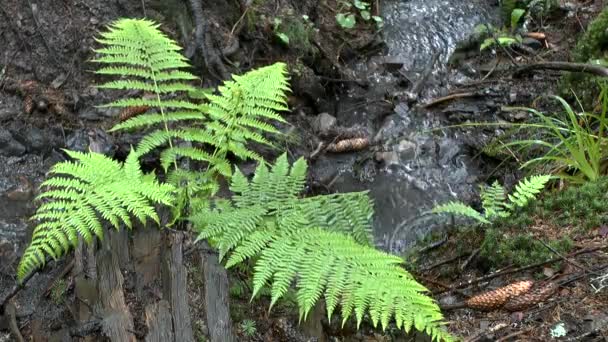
<point x="583" y="208"/>
<point x="591" y="46"/>
<point x="520" y="249"/>
<point x="595" y="39"/>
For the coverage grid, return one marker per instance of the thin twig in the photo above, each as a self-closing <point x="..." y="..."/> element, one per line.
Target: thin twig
<point x="448" y="98"/>
<point x="597" y="70"/>
<point x="521" y="269"/>
<point x="568" y="260"/>
<point x="469" y="259"/>
<point x="517" y="333"/>
<point x="443" y="262"/>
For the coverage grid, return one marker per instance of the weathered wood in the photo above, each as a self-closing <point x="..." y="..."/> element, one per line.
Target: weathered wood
<point x="216" y="294"/>
<point x="175" y="286"/>
<point x="158" y="321"/>
<point x="117" y="321"/>
<point x="146" y="257"/>
<point x="119" y="240"/>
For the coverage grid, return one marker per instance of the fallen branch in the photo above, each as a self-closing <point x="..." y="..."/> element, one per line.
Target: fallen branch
<point x="443" y="262"/>
<point x="520" y="269"/>
<point x="448" y="98"/>
<point x="597" y="70"/>
<point x="11" y="313"/>
<point x="568" y="260"/>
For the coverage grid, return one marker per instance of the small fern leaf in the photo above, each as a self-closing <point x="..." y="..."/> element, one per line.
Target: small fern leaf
<point x="459" y="208"/>
<point x="527" y="189"/>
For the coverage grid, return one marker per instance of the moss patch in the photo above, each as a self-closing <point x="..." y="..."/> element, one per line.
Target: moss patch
<point x="591" y="46"/>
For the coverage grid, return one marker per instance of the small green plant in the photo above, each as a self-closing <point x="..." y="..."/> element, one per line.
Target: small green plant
<point x="572" y="146"/>
<point x="502" y="37"/>
<point x="321" y="243"/>
<point x="296" y="32"/>
<point x="347" y="18"/>
<point x="494" y="202"/>
<point x="58" y="291"/>
<point x="248" y="328"/>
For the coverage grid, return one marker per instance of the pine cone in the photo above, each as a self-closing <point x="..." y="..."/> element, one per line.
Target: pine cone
<point x="130" y="112"/>
<point x="348" y="145"/>
<point x="537" y="295"/>
<point x="497" y="298"/>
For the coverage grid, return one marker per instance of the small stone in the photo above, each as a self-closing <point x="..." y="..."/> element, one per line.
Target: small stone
<point x="532" y="43"/>
<point x="9" y="146"/>
<point x="59" y="81"/>
<point x="324" y="123"/>
<point x="388" y="158"/>
<point x="406" y="149"/>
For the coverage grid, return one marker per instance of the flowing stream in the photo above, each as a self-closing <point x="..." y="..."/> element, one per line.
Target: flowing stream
<point x="420" y="167"/>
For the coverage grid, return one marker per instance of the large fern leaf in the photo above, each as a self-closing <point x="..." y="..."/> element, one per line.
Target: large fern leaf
<point x="147" y="61"/>
<point x="320" y="243"/>
<point x="84" y="193"/>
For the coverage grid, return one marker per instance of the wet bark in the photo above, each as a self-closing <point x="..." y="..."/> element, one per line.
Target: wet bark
<point x="175" y="287"/>
<point x="216" y="298"/>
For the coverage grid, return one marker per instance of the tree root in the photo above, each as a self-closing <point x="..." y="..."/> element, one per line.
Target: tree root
<point x="211" y="56"/>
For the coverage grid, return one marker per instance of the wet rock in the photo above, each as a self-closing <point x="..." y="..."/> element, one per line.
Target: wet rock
<point x="36" y="140"/>
<point x="7" y="113"/>
<point x="448" y="149"/>
<point x="307" y="84"/>
<point x="532" y="43"/>
<point x="7" y="254"/>
<point x="516" y="116"/>
<point x="9" y="146"/>
<point x="448" y="300"/>
<point x="94" y="139"/>
<point x="407" y="149"/>
<point x="324" y="123"/>
<point x="388" y="158"/>
<point x="23" y="191"/>
<point x="391" y="63"/>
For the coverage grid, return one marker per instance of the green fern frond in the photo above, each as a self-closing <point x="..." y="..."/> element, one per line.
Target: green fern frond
<point x="459" y="208"/>
<point x="83" y="192"/>
<point x="148" y="61"/>
<point x="322" y="244"/>
<point x="493" y="200"/>
<point x="526" y="190"/>
<point x="243" y="105"/>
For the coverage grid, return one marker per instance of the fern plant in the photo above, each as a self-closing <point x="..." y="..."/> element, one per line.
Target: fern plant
<point x="322" y="243"/>
<point x="83" y="194"/>
<point x="494" y="202"/>
<point x="147" y="60"/>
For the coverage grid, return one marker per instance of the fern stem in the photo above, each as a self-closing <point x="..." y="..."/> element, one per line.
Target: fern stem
<point x="162" y="113"/>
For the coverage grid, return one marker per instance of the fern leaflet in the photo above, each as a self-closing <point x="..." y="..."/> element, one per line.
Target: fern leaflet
<point x="83" y="192"/>
<point x="527" y="190"/>
<point x="459" y="208"/>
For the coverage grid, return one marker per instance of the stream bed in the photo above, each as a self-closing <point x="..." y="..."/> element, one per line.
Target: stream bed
<point x="414" y="167"/>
